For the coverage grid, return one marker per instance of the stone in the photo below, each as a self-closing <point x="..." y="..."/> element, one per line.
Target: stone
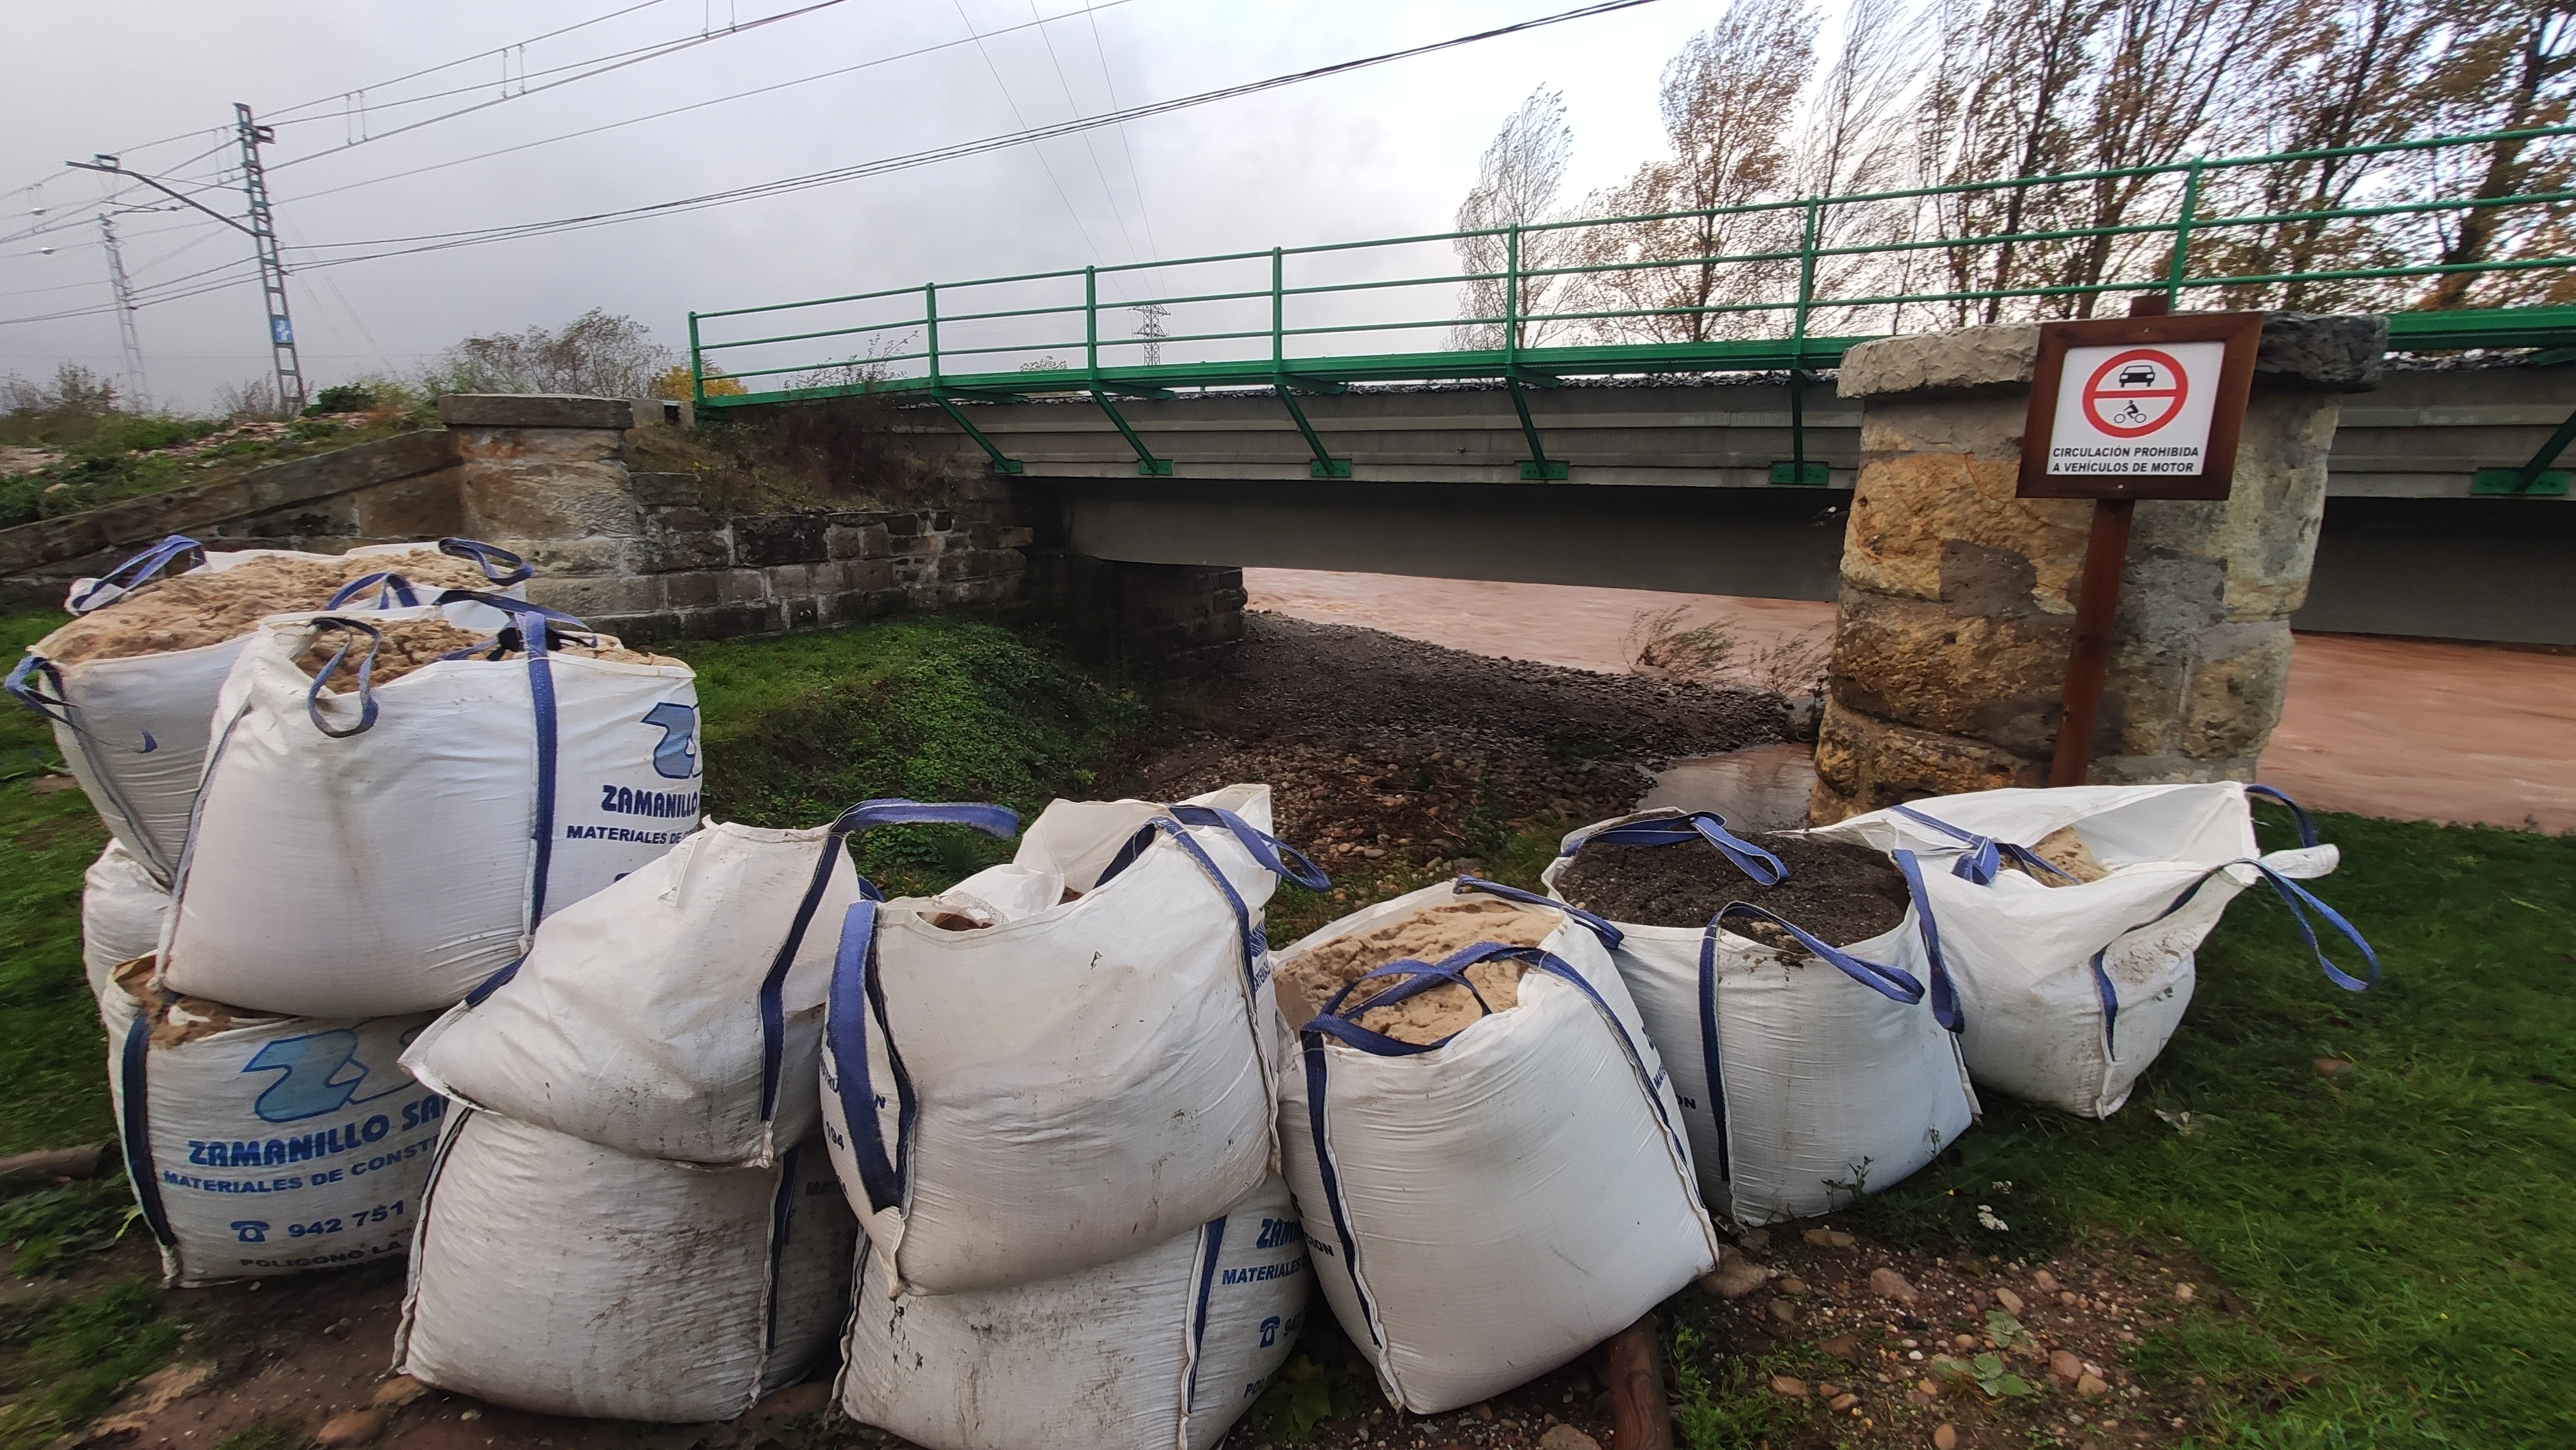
<point x="2329" y="350"/>
<point x="1566" y="1437"/>
<point x="1843" y="1401"/>
<point x="1794" y="1287"/>
<point x="1784" y="1311"/>
<point x="1868" y="764"/>
<point x="2332" y="1066"/>
<point x="1889" y="1284"/>
<point x="1992" y="677"/>
<point x="2046" y="1281"/>
<point x="1734" y="1277"/>
<point x="1966" y="357"/>
<point x="1945" y="1437"/>
<point x="534" y="410"/>
<point x="792" y="1401"/>
<point x="1963" y="1341"/>
<point x="1755" y="1238"/>
<point x="1788" y="1384"/>
<point x="1845" y="1347"/>
<point x="762" y="540"/>
<point x="665" y="490"/>
<point x="2185" y="1293"/>
<point x="2092" y="1387"/>
<point x="1909" y="506"/>
<point x="397" y="1392"/>
<point x="1829" y="1238"/>
<point x="2064" y="1366"/>
<point x="2010" y="1300"/>
<point x="356" y="1427"/>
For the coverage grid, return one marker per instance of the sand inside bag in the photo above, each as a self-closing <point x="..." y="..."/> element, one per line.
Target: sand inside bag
<point x="410" y="644"/>
<point x="1309" y="980"/>
<point x="188" y="611"/>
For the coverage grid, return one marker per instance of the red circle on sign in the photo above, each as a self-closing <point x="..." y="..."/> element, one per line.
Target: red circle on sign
<point x="2149" y="359"/>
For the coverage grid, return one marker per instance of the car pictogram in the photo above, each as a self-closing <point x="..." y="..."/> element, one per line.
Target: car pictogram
<point x="2137" y="375"/>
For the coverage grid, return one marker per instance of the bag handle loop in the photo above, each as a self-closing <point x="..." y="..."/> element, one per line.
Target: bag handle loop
<point x="1765" y="868"/>
<point x="131" y="575"/>
<point x="1601" y="927"/>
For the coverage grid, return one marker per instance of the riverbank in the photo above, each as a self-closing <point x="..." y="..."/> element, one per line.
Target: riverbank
<point x="2417" y="730"/>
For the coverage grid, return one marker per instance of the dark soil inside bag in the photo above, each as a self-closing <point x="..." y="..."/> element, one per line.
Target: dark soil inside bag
<point x="1837" y="892"/>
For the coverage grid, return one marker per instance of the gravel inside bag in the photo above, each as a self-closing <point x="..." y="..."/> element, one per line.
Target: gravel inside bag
<point x="1309" y="980"/>
<point x="187" y="611"/>
<point x="1839" y="893"/>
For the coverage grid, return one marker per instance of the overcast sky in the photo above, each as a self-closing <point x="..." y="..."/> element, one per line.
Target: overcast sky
<point x="1381" y="152"/>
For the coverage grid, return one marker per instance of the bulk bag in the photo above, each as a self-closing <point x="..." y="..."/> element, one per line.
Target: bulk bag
<point x="122" y="909"/>
<point x="365" y="847"/>
<point x="678" y="1013"/>
<point x="1166" y="1348"/>
<point x="260" y="1144"/>
<point x="130" y="687"/>
<point x="558" y="1276"/>
<point x="2071" y="987"/>
<point x="1486" y="1206"/>
<point x="1808" y="1075"/>
<point x="1015" y="1099"/>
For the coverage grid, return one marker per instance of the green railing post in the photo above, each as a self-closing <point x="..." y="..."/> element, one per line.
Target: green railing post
<point x="1511" y="296"/>
<point x="1795" y="471"/>
<point x="697" y="367"/>
<point x="930" y="320"/>
<point x="2180" y="262"/>
<point x="1091" y="322"/>
<point x="1278" y="309"/>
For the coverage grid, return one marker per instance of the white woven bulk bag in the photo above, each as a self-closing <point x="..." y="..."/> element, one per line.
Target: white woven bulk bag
<point x="558" y="1276"/>
<point x="1484" y="1209"/>
<point x="262" y="1145"/>
<point x="679" y="1012"/>
<point x="134" y="728"/>
<point x="2071" y="988"/>
<point x="1834" y="1074"/>
<point x="1016" y="1099"/>
<point x="1164" y="1349"/>
<point x="388" y="847"/>
<point x="122" y="909"/>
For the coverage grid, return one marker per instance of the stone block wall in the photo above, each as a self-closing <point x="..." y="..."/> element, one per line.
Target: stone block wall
<point x="1957" y="607"/>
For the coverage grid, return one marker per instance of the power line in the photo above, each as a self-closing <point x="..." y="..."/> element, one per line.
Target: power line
<point x="597" y="69"/>
<point x="1054" y="180"/>
<point x="696" y="105"/>
<point x="439" y="241"/>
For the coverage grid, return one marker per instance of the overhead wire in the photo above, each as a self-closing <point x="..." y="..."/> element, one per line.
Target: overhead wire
<point x="441" y="241"/>
<point x="437" y="241"/>
<point x="1049" y="166"/>
<point x="678" y="110"/>
<point x="1090" y="149"/>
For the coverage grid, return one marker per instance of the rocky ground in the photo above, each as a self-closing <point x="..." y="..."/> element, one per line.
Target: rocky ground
<point x="1394" y="763"/>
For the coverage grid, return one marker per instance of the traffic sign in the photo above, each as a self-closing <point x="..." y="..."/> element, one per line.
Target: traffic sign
<point x="2138" y="407"/>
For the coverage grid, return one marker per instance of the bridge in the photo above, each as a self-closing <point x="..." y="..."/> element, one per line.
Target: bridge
<point x="1686" y="443"/>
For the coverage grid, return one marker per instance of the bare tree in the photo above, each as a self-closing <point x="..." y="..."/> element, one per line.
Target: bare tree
<point x="596" y="354"/>
<point x="1516" y="185"/>
<point x="1857" y="138"/>
<point x="2515" y="72"/>
<point x="2355" y="73"/>
<point x="1729" y="102"/>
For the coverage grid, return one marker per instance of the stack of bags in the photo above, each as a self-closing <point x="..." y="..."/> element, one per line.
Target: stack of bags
<point x="1049" y="1094"/>
<point x="634" y="1216"/>
<point x="338" y="809"/>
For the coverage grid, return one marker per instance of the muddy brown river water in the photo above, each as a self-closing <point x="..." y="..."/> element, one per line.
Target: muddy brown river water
<point x="2410" y="729"/>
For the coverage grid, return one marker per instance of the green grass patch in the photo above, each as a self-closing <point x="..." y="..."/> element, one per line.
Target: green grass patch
<point x="62" y="1361"/>
<point x="2401" y="1232"/>
<point x="798" y="729"/>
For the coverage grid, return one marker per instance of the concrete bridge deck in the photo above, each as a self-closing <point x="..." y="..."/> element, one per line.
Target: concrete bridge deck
<point x="1668" y="487"/>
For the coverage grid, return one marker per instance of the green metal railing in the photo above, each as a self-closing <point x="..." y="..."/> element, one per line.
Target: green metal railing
<point x="1782" y="285"/>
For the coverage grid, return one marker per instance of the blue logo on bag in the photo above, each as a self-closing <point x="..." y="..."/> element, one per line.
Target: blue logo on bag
<point x="676" y="757"/>
<point x="255" y="1231"/>
<point x="322" y="1074"/>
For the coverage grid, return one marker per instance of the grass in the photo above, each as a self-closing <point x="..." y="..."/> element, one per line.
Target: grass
<point x="2400" y="1231"/>
<point x="935" y="709"/>
<point x="121" y="459"/>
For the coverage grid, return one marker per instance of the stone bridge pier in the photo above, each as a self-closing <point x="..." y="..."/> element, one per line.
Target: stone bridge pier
<point x="1957" y="601"/>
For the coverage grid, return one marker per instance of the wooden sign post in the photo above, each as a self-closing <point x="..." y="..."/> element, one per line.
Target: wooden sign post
<point x="2125" y="408"/>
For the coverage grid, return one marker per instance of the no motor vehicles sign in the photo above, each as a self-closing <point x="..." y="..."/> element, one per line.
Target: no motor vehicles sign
<point x="2139" y="407"/>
